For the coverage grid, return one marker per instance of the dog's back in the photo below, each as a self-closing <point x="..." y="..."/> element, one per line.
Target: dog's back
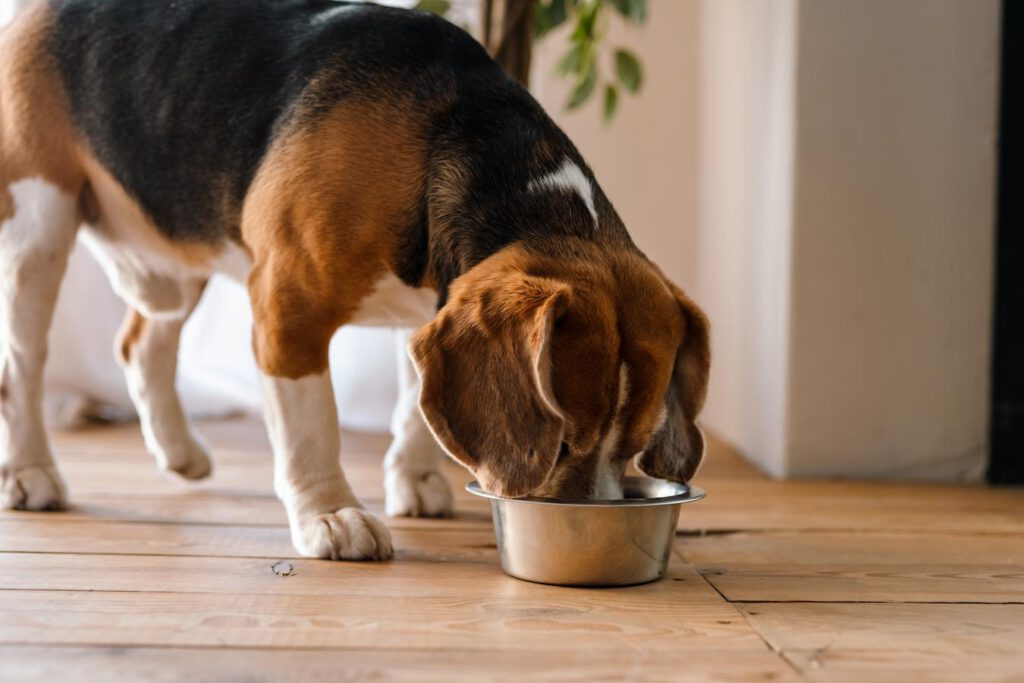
<point x="180" y="101"/>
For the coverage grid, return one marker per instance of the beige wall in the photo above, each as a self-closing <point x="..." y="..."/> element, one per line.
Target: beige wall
<point x="748" y="54"/>
<point x="846" y="232"/>
<point x="646" y="160"/>
<point x="893" y="237"/>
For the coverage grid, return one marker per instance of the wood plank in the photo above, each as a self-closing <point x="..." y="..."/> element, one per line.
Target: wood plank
<point x="243" y="473"/>
<point x="528" y="620"/>
<point x="855" y="506"/>
<point x="89" y="538"/>
<point x="885" y="567"/>
<point x="150" y="579"/>
<point x="952" y="643"/>
<point x="27" y="664"/>
<point x="732" y="504"/>
<point x="218" y="509"/>
<point x="483" y="578"/>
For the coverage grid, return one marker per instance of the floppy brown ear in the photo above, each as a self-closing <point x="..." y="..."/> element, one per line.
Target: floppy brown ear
<point x="485" y="368"/>
<point x="675" y="451"/>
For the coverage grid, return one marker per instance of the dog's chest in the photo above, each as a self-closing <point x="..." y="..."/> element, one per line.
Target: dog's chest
<point x="395" y="304"/>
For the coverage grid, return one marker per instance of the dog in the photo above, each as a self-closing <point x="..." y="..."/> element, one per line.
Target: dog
<point x="348" y="163"/>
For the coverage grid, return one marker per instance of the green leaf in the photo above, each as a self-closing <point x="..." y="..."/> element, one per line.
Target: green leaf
<point x="549" y="16"/>
<point x="583" y="89"/>
<point x="558" y="13"/>
<point x="435" y="6"/>
<point x="611" y="102"/>
<point x="586" y="20"/>
<point x="570" y="63"/>
<point x="633" y="10"/>
<point x="628" y="68"/>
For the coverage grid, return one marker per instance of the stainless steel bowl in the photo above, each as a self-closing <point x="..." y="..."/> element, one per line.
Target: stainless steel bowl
<point x="590" y="542"/>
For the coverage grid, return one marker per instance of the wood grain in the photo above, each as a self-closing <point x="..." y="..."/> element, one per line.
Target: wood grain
<point x="954" y="643"/>
<point x="443" y="665"/>
<point x="864" y="567"/>
<point x="356" y="616"/>
<point x="477" y="577"/>
<point x="430" y="539"/>
<point x="215" y="508"/>
<point x="734" y="505"/>
<point x="147" y="578"/>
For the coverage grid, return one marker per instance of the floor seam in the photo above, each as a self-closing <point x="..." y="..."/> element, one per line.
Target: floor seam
<point x="768" y="645"/>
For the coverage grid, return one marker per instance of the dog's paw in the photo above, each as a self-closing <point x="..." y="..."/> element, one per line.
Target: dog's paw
<point x="32" y="488"/>
<point x="345" y="534"/>
<point x="423" y="495"/>
<point x="188" y="459"/>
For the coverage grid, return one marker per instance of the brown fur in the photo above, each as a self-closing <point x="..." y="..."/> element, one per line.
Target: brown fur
<point x="675" y="451"/>
<point x="132" y="330"/>
<point x="36" y="136"/>
<point x="613" y="306"/>
<point x="6" y="204"/>
<point x="322" y="220"/>
<point x="486" y="367"/>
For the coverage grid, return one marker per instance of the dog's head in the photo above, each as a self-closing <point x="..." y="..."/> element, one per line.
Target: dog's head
<point x="544" y="376"/>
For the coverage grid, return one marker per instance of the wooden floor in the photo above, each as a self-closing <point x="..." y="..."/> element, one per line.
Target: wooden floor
<point x="151" y="579"/>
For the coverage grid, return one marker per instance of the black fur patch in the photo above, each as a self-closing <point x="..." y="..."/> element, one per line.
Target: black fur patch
<point x="181" y="99"/>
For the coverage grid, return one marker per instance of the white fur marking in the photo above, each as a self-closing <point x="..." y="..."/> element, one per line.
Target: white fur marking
<point x="234" y="262"/>
<point x="395" y="304"/>
<point x="325" y="517"/>
<point x="569" y="177"/>
<point x="151" y="369"/>
<point x="607" y="484"/>
<point x="145" y="279"/>
<point x="34" y="247"/>
<point x="413" y="483"/>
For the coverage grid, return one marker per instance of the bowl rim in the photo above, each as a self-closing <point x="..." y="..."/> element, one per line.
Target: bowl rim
<point x="687" y="494"/>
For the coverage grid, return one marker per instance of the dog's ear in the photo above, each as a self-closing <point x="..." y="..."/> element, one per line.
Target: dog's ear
<point x="675" y="451"/>
<point x="485" y="369"/>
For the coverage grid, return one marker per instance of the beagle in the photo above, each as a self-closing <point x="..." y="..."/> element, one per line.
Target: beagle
<point x="351" y="164"/>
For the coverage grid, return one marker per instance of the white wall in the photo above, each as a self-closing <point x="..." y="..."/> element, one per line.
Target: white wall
<point x="745" y="229"/>
<point x="846" y="232"/>
<point x="894" y="237"/>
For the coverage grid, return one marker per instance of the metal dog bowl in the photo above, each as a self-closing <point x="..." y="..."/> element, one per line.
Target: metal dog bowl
<point x="590" y="542"/>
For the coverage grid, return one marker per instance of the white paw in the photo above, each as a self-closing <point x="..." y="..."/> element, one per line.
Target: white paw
<point x="188" y="459"/>
<point x="422" y="495"/>
<point x="32" y="488"/>
<point x="345" y="534"/>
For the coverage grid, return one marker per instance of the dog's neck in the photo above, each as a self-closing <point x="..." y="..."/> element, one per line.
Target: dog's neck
<point x="476" y="204"/>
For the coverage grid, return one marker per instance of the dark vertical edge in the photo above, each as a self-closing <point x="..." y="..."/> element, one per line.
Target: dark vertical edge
<point x="1006" y="426"/>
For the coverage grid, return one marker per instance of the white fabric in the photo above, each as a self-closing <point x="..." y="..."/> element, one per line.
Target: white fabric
<point x="217" y="372"/>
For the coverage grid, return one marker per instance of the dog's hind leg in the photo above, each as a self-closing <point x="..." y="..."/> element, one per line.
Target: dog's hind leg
<point x="38" y="222"/>
<point x="147" y="349"/>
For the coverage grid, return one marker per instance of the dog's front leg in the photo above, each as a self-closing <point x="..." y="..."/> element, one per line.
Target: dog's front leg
<point x="413" y="482"/>
<point x="326" y="518"/>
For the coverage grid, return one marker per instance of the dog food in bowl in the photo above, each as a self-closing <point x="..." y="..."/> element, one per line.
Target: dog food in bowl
<point x="590" y="542"/>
